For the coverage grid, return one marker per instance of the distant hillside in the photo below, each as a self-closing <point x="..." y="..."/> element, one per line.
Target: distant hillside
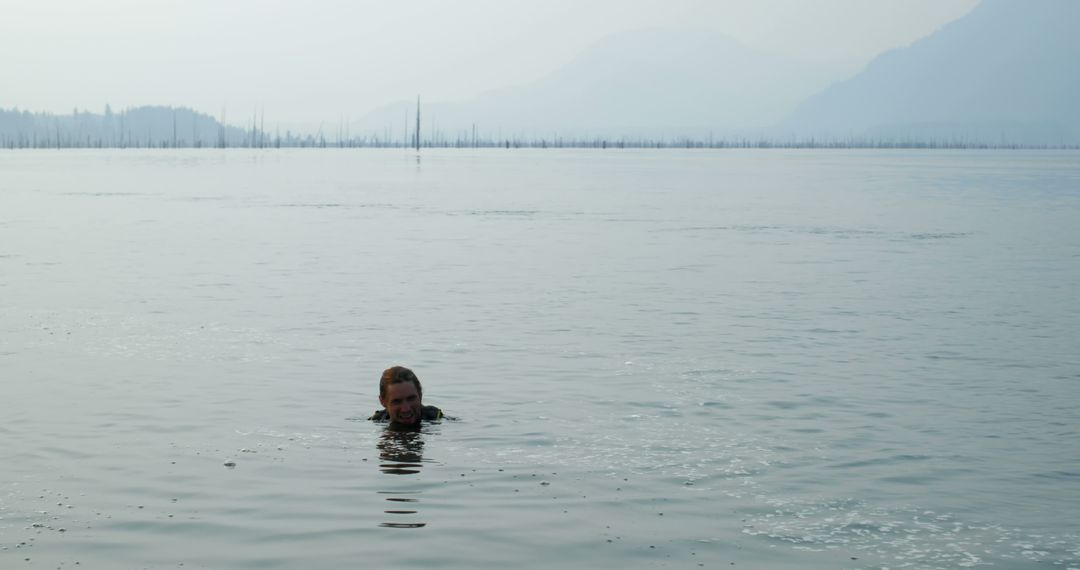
<point x="1007" y="72"/>
<point x="149" y="126"/>
<point x="650" y="83"/>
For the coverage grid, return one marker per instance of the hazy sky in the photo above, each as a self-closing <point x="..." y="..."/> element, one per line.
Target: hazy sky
<point x="314" y="60"/>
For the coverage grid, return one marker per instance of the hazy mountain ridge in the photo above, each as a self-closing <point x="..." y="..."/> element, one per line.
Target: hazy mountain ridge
<point x="1008" y="71"/>
<point x="147" y="126"/>
<point x="678" y="82"/>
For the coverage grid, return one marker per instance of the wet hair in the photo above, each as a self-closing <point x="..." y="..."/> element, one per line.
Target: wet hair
<point x="396" y="375"/>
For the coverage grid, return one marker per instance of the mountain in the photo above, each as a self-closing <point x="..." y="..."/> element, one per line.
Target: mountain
<point x="1008" y="72"/>
<point x="142" y="127"/>
<point x="656" y="82"/>
<point x="147" y="126"/>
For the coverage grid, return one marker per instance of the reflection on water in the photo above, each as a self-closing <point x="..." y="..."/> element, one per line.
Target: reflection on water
<point x="401" y="453"/>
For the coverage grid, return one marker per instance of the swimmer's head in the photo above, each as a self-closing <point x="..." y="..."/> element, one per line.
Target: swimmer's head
<point x="401" y="394"/>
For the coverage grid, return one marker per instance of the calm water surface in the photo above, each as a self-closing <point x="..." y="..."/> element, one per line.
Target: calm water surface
<point x="680" y="359"/>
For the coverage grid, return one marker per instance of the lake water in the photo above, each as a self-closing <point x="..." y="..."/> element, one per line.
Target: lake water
<point x="658" y="359"/>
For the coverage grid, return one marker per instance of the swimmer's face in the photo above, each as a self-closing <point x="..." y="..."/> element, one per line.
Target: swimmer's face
<point x="402" y="402"/>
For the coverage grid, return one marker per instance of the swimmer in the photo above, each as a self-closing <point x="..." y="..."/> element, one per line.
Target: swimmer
<point x="401" y="397"/>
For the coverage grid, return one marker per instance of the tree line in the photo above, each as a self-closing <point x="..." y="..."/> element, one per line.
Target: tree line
<point x="181" y="127"/>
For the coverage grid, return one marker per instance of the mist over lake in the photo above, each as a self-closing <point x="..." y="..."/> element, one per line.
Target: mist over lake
<point x="657" y="358"/>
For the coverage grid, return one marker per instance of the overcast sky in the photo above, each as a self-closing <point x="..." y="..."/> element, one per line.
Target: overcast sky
<point x="315" y="60"/>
